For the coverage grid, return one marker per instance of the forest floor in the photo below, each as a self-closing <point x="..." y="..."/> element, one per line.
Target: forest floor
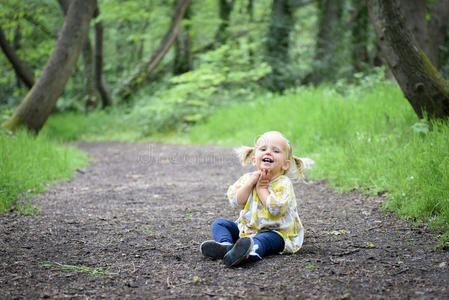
<point x="131" y="223"/>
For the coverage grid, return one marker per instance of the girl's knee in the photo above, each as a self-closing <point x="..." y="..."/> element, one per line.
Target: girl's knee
<point x="268" y="242"/>
<point x="219" y="221"/>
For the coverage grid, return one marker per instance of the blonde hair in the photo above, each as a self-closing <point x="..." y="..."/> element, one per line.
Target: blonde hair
<point x="295" y="170"/>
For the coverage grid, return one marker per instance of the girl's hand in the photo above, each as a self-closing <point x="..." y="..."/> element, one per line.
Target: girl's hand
<point x="264" y="179"/>
<point x="244" y="191"/>
<point x="254" y="178"/>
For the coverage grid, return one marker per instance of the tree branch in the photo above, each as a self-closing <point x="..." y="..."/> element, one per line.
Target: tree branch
<point x="148" y="67"/>
<point x="32" y="20"/>
<point x="17" y="64"/>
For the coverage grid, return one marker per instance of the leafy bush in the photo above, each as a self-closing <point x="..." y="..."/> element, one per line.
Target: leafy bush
<point x="224" y="75"/>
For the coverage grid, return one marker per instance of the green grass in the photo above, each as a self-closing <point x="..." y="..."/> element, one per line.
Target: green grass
<point x="28" y="163"/>
<point x="369" y="140"/>
<point x="111" y="125"/>
<point x="78" y="269"/>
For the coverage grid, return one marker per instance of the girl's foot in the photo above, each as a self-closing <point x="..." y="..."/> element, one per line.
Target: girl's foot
<point x="239" y="252"/>
<point x="215" y="249"/>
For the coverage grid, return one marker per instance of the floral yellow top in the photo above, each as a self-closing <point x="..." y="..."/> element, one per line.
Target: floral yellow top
<point x="280" y="214"/>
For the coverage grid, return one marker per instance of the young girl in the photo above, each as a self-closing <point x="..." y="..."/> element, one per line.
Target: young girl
<point x="268" y="221"/>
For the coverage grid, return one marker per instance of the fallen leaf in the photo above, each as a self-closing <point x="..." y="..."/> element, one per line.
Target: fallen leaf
<point x="338" y="232"/>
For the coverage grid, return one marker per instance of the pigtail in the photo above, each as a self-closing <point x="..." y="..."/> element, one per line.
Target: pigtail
<point x="300" y="164"/>
<point x="244" y="153"/>
<point x="299" y="167"/>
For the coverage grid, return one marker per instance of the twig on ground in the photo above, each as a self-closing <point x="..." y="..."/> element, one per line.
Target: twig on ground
<point x="346" y="253"/>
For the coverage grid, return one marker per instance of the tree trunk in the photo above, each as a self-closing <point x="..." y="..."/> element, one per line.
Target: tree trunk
<point x="415" y="18"/>
<point x="183" y="57"/>
<point x="17" y="64"/>
<point x="430" y="35"/>
<point x="278" y="42"/>
<point x="147" y="68"/>
<point x="250" y="11"/>
<point x="327" y="41"/>
<point x="360" y="36"/>
<point x="437" y="29"/>
<point x="93" y="65"/>
<point x="38" y="104"/>
<point x="64" y="5"/>
<point x="224" y="10"/>
<point x="16" y="46"/>
<point x="98" y="66"/>
<point x="89" y="90"/>
<point x="421" y="83"/>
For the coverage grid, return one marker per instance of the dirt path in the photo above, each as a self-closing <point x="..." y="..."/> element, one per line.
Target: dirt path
<point x="141" y="211"/>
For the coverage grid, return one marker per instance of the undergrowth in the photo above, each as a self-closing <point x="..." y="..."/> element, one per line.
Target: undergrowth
<point x="109" y="125"/>
<point x="28" y="163"/>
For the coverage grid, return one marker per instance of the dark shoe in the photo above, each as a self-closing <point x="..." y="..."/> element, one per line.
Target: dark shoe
<point x="214" y="249"/>
<point x="239" y="252"/>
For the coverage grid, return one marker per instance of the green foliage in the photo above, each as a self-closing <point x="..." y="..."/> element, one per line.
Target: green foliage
<point x="28" y="163"/>
<point x="369" y="140"/>
<point x="133" y="30"/>
<point x="31" y="28"/>
<point x="224" y="74"/>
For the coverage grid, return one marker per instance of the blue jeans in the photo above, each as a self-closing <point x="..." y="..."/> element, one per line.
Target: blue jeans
<point x="268" y="242"/>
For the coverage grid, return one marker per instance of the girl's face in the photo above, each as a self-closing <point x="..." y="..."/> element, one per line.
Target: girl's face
<point x="271" y="153"/>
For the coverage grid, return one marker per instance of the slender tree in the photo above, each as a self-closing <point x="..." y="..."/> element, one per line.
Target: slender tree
<point x="329" y="33"/>
<point x="224" y="10"/>
<point x="421" y="83"/>
<point x="15" y="61"/>
<point x="183" y="57"/>
<point x="360" y="36"/>
<point x="89" y="88"/>
<point x="38" y="104"/>
<point x="278" y="43"/>
<point x="148" y="67"/>
<point x="106" y="99"/>
<point x="250" y="11"/>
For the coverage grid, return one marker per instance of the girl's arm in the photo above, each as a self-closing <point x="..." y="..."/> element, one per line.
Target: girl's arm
<point x="245" y="190"/>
